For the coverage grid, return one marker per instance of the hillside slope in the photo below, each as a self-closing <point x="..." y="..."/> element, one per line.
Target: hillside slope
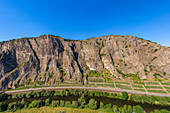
<point x="50" y="60"/>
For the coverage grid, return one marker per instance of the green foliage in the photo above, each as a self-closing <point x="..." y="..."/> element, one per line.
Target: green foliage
<point x="74" y="104"/>
<point x="156" y="75"/>
<point x="36" y="104"/>
<point x="86" y="68"/>
<point x="28" y="82"/>
<point x="95" y="79"/>
<point x="124" y="87"/>
<point x="154" y="58"/>
<point x="102" y="54"/>
<point x="48" y="102"/>
<point x="55" y="103"/>
<point x="124" y="95"/>
<point x="12" y="107"/>
<point x="62" y="103"/>
<point x="94" y="73"/>
<point x="138" y="109"/>
<point x="3" y="106"/>
<point x="92" y="104"/>
<point x="50" y="74"/>
<point x="81" y="100"/>
<point x="67" y="104"/>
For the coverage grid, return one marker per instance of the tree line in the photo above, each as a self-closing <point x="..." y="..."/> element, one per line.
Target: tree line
<point x="74" y="92"/>
<point x="80" y="103"/>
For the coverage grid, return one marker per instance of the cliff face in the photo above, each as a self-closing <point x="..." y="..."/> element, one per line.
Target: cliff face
<point x="51" y="60"/>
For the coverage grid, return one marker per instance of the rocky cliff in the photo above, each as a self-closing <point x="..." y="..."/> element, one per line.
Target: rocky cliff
<point x="50" y="60"/>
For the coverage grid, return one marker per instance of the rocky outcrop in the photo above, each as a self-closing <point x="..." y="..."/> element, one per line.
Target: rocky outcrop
<point x="50" y="60"/>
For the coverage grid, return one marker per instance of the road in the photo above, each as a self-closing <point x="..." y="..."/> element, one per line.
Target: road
<point x="88" y="88"/>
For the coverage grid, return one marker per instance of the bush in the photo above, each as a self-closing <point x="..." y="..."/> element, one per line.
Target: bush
<point x="81" y="100"/>
<point x="55" y="103"/>
<point x="36" y="104"/>
<point x="92" y="104"/>
<point x="68" y="104"/>
<point x="62" y="103"/>
<point x="12" y="106"/>
<point x="138" y="109"/>
<point x="3" y="106"/>
<point x="47" y="102"/>
<point x="124" y="95"/>
<point x="74" y="104"/>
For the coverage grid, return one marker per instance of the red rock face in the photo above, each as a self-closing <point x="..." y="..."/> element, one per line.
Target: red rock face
<point x="51" y="60"/>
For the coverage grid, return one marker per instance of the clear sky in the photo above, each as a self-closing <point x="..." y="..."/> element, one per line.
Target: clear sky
<point x="82" y="19"/>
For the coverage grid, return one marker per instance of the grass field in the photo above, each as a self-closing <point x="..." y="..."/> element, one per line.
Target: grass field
<point x="139" y="90"/>
<point x="123" y="87"/>
<point x="122" y="83"/>
<point x="137" y="86"/>
<point x="153" y="87"/>
<point x="167" y="87"/>
<point x="168" y="91"/>
<point x="106" y="85"/>
<point x="165" y="83"/>
<point x="152" y="83"/>
<point x="95" y="80"/>
<point x="56" y="110"/>
<point x="156" y="91"/>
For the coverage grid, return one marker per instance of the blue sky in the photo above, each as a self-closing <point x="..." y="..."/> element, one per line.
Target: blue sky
<point x="82" y="19"/>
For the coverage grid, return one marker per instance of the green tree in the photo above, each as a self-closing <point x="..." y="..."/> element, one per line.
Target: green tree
<point x="48" y="102"/>
<point x="36" y="104"/>
<point x="101" y="105"/>
<point x="138" y="109"/>
<point x="62" y="103"/>
<point x="164" y="111"/>
<point x="3" y="106"/>
<point x="92" y="104"/>
<point x="124" y="95"/>
<point x="12" y="106"/>
<point x="68" y="104"/>
<point x="81" y="100"/>
<point x="74" y="104"/>
<point x="55" y="103"/>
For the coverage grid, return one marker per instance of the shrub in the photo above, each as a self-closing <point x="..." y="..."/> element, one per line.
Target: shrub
<point x="55" y="103"/>
<point x="138" y="109"/>
<point x="124" y="95"/>
<point x="12" y="106"/>
<point x="81" y="100"/>
<point x="92" y="104"/>
<point x="68" y="104"/>
<point x="74" y="104"/>
<point x="3" y="106"/>
<point x="47" y="102"/>
<point x="62" y="103"/>
<point x="36" y="104"/>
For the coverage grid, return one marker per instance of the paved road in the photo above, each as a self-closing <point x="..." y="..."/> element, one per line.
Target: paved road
<point x="88" y="88"/>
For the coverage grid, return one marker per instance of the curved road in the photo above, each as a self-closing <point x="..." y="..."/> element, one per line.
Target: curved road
<point x="88" y="88"/>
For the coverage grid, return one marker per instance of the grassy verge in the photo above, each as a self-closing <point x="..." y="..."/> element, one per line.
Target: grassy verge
<point x="106" y="85"/>
<point x="167" y="87"/>
<point x="156" y="91"/>
<point x="95" y="80"/>
<point x="139" y="90"/>
<point x="168" y="91"/>
<point x="123" y="87"/>
<point x="152" y="83"/>
<point x="122" y="83"/>
<point x="153" y="87"/>
<point x="137" y="86"/>
<point x="56" y="110"/>
<point x="165" y="83"/>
